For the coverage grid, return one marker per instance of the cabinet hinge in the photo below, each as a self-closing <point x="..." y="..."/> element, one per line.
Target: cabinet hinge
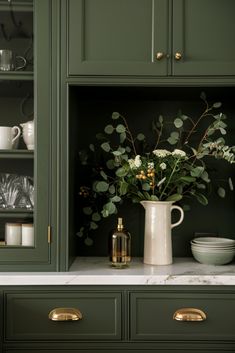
<point x="49" y="234"/>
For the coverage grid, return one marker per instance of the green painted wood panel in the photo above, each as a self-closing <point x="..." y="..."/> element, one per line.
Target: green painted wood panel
<point x="110" y="37"/>
<point x="152" y="316"/>
<point x="203" y="32"/>
<point x="101" y="316"/>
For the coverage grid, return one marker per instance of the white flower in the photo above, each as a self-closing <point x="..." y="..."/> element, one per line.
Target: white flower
<point x="179" y="153"/>
<point x="150" y="165"/>
<point x="135" y="163"/>
<point x="163" y="165"/>
<point x="161" y="153"/>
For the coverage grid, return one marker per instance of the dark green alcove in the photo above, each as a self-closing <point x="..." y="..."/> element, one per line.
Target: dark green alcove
<point x="90" y="111"/>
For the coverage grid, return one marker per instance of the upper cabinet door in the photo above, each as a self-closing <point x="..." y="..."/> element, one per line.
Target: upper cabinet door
<point x="110" y="37"/>
<point x="203" y="32"/>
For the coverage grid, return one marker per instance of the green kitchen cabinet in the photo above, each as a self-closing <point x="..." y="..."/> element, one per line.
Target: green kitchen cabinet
<point x="150" y="37"/>
<point x="26" y="95"/>
<point x="117" y="319"/>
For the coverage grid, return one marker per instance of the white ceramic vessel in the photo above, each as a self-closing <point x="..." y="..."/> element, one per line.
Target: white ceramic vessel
<point x="157" y="236"/>
<point x="28" y="134"/>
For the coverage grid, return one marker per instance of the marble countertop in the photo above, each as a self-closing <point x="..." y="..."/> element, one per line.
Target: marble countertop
<point x="97" y="271"/>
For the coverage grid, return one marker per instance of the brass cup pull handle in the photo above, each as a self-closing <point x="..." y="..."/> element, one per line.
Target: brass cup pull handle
<point x="65" y="314"/>
<point x="189" y="314"/>
<point x="178" y="56"/>
<point x="160" y="56"/>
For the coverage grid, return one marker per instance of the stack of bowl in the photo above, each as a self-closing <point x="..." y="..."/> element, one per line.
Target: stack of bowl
<point x="213" y="250"/>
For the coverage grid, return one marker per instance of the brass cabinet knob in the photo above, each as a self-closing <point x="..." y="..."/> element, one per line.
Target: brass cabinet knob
<point x="159" y="56"/>
<point x="178" y="56"/>
<point x="189" y="314"/>
<point x="65" y="314"/>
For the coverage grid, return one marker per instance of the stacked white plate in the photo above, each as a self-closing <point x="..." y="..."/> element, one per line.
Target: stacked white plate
<point x="213" y="250"/>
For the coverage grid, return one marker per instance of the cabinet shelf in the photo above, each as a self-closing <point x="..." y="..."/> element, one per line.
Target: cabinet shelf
<point x="15" y="213"/>
<point x="16" y="75"/>
<point x="16" y="154"/>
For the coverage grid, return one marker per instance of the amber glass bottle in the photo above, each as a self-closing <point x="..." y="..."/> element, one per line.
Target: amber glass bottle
<point x="120" y="246"/>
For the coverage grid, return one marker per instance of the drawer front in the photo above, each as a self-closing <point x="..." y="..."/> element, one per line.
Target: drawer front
<point x="27" y="316"/>
<point x="151" y="316"/>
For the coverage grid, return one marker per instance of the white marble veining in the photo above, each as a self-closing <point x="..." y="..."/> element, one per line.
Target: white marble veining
<point x="97" y="271"/>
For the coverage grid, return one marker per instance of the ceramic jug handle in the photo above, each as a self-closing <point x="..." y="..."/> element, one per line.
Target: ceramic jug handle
<point x="16" y="130"/>
<point x="181" y="215"/>
<point x="24" y="62"/>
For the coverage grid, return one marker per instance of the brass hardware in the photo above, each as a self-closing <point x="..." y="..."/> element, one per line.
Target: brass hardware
<point x="49" y="234"/>
<point x="189" y="314"/>
<point x="65" y="314"/>
<point x="178" y="56"/>
<point x="159" y="56"/>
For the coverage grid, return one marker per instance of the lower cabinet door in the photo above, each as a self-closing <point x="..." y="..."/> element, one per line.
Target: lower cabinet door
<point x="174" y="316"/>
<point x="27" y="316"/>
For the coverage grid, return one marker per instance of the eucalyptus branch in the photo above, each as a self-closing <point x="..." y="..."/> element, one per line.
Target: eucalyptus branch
<point x="205" y="113"/>
<point x="130" y="134"/>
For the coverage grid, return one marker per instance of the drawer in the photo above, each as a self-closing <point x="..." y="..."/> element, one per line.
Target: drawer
<point x="151" y="316"/>
<point x="26" y="316"/>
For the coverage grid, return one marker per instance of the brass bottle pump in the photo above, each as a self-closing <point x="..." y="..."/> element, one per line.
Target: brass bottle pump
<point x="120" y="246"/>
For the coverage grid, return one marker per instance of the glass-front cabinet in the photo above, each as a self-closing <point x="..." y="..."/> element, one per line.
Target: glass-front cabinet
<point x="25" y="224"/>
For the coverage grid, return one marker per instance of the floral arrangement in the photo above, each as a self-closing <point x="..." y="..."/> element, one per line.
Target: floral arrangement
<point x="171" y="173"/>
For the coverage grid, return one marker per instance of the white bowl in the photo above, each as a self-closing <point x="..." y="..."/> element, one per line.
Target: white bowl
<point x="213" y="258"/>
<point x="213" y="241"/>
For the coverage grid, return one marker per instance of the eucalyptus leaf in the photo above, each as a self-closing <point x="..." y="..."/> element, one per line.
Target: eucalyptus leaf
<point x="221" y="192"/>
<point x="201" y="198"/>
<point x="106" y="146"/>
<point x="105" y="213"/>
<point x="92" y="147"/>
<point x="123" y="188"/>
<point x="223" y="131"/>
<point x="146" y="186"/>
<point x="178" y="123"/>
<point x="188" y="179"/>
<point x="154" y="198"/>
<point x="121" y="149"/>
<point x="110" y="164"/>
<point x="112" y="189"/>
<point x="121" y="172"/>
<point x="197" y="171"/>
<point x="87" y="210"/>
<point x="203" y="96"/>
<point x="93" y="225"/>
<point x="120" y="128"/>
<point x="110" y="207"/>
<point x="172" y="141"/>
<point x="102" y="186"/>
<point x="122" y="137"/>
<point x="104" y="175"/>
<point x="140" y="137"/>
<point x="174" y="197"/>
<point x="117" y="153"/>
<point x="128" y="149"/>
<point x="230" y="183"/>
<point x="115" y="115"/>
<point x="116" y="198"/>
<point x="96" y="217"/>
<point x="160" y="119"/>
<point x="88" y="241"/>
<point x="175" y="135"/>
<point x="109" y="129"/>
<point x="217" y="105"/>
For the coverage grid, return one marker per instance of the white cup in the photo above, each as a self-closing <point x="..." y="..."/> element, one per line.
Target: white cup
<point x="13" y="234"/>
<point x="27" y="234"/>
<point x="8" y="137"/>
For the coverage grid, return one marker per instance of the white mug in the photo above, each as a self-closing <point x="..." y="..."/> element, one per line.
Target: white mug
<point x="13" y="233"/>
<point x="9" y="61"/>
<point x="9" y="137"/>
<point x="27" y="234"/>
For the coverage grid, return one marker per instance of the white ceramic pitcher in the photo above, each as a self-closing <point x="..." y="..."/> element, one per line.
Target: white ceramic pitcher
<point x="157" y="236"/>
<point x="28" y="134"/>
